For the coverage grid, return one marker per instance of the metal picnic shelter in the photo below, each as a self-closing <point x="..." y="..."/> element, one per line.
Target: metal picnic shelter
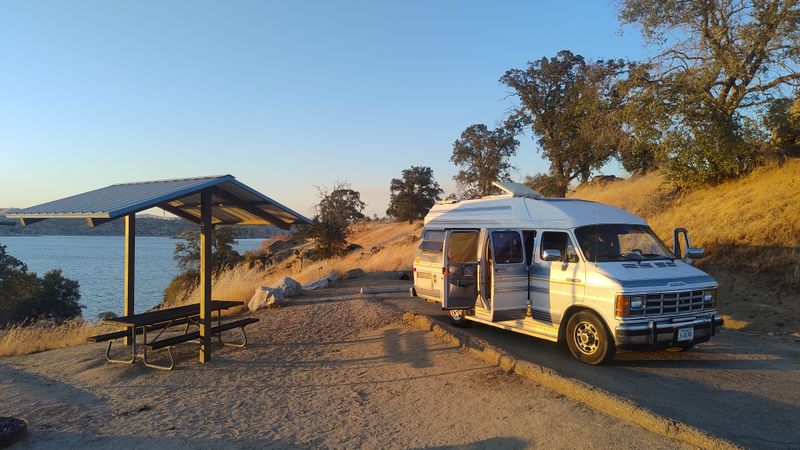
<point x="205" y="201"/>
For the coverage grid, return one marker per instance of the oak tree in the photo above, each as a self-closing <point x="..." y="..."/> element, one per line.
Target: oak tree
<point x="571" y="106"/>
<point x="413" y="194"/>
<point x="483" y="156"/>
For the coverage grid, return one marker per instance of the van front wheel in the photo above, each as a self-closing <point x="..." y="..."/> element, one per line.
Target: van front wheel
<point x="588" y="339"/>
<point x="458" y="318"/>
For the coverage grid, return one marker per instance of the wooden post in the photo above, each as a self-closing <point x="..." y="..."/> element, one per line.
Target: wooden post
<point x="130" y="265"/>
<point x="206" y="229"/>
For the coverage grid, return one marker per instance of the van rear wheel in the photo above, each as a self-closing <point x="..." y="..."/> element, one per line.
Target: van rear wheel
<point x="588" y="339"/>
<point x="458" y="317"/>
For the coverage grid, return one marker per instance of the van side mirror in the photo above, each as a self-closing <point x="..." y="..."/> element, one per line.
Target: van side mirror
<point x="691" y="252"/>
<point x="551" y="254"/>
<point x="695" y="252"/>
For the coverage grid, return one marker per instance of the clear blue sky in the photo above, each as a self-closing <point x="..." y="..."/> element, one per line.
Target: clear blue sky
<point x="283" y="95"/>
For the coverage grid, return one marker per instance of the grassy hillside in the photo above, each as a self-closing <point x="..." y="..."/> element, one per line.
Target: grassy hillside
<point x="751" y="224"/>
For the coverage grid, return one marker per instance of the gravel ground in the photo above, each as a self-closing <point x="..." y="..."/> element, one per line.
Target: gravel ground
<point x="335" y="373"/>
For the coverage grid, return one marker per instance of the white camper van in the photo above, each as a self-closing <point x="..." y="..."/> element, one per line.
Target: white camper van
<point x="564" y="269"/>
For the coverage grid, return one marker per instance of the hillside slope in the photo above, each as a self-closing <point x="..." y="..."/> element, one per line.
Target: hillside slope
<point x="752" y="223"/>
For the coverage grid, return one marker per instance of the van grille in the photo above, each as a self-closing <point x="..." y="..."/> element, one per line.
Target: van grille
<point x="673" y="302"/>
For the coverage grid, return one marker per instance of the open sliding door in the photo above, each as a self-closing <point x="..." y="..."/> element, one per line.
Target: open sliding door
<point x="460" y="269"/>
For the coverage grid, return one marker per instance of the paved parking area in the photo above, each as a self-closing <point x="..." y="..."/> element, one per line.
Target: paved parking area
<point x="741" y="388"/>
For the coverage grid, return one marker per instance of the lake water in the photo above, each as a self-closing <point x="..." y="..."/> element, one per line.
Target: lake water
<point x="96" y="262"/>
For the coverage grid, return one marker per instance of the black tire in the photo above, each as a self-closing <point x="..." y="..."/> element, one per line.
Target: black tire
<point x="680" y="348"/>
<point x="458" y="318"/>
<point x="588" y="339"/>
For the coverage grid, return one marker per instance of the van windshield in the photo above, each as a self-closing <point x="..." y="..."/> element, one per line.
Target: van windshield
<point x="620" y="242"/>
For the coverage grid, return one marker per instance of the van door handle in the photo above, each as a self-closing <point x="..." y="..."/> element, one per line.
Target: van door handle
<point x="574" y="280"/>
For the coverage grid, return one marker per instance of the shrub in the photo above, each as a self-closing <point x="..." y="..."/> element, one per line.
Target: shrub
<point x="180" y="286"/>
<point x="26" y="297"/>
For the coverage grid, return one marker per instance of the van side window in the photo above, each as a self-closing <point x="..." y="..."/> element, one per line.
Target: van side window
<point x="556" y="240"/>
<point x="529" y="236"/>
<point x="507" y="247"/>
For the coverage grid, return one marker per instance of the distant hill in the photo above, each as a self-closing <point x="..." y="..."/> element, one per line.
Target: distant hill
<point x="146" y="225"/>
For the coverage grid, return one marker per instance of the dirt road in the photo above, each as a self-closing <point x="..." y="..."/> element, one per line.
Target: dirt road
<point x="341" y="373"/>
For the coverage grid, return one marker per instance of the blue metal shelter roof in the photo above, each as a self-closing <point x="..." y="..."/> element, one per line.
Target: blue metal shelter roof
<point x="232" y="203"/>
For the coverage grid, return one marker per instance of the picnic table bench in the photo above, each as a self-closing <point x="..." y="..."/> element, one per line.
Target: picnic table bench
<point x="162" y="319"/>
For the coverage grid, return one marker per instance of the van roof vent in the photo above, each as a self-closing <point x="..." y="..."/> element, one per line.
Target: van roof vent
<point x="516" y="189"/>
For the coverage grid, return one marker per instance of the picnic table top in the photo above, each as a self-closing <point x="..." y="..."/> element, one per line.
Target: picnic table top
<point x="167" y="314"/>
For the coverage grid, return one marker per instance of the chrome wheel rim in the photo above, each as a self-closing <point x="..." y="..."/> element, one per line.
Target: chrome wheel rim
<point x="586" y="338"/>
<point x="457" y="314"/>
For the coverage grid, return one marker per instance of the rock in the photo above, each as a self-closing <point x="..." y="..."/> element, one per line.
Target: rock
<point x="332" y="277"/>
<point x="314" y="285"/>
<point x="353" y="273"/>
<point x="353" y="248"/>
<point x="11" y="430"/>
<point x="375" y="250"/>
<point x="107" y="315"/>
<point x="264" y="297"/>
<point x="290" y="287"/>
<point x="600" y="179"/>
<point x="398" y="275"/>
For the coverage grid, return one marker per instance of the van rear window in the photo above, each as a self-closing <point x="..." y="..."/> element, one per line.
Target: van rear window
<point x="432" y="241"/>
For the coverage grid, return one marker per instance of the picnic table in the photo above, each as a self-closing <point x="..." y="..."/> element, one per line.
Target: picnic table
<point x="163" y="319"/>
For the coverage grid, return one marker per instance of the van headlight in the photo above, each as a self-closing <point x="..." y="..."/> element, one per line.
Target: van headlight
<point x="710" y="298"/>
<point x="629" y="305"/>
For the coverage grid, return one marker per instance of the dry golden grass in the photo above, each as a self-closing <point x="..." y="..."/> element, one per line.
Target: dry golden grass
<point x="751" y="223"/>
<point x="238" y="284"/>
<point x="396" y="241"/>
<point x="26" y="339"/>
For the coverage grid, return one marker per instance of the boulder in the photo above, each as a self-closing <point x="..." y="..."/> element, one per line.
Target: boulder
<point x="353" y="273"/>
<point x="264" y="297"/>
<point x="107" y="315"/>
<point x="290" y="287"/>
<point x="314" y="285"/>
<point x="353" y="248"/>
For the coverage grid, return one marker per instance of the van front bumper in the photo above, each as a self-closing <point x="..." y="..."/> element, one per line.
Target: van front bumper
<point x="663" y="333"/>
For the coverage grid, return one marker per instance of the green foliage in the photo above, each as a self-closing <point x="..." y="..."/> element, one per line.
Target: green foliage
<point x="782" y="119"/>
<point x="182" y="284"/>
<point x="644" y="118"/>
<point x="187" y="254"/>
<point x="26" y="297"/>
<point x="543" y="183"/>
<point x="337" y="209"/>
<point x="482" y="155"/>
<point x="187" y="257"/>
<point x="696" y="104"/>
<point x="414" y="194"/>
<point x="572" y="107"/>
<point x="713" y="153"/>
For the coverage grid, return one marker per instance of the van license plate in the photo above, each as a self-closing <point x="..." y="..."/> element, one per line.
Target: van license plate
<point x="686" y="334"/>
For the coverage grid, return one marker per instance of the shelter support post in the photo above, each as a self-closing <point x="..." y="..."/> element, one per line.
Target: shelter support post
<point x="130" y="264"/>
<point x="206" y="230"/>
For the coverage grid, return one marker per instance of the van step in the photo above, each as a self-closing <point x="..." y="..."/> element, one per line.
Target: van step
<point x="527" y="326"/>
